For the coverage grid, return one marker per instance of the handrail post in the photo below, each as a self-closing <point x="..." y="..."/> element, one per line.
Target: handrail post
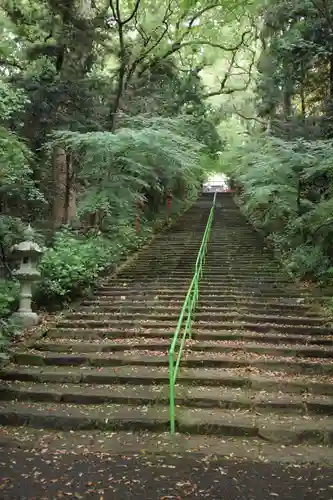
<point x="172" y="394"/>
<point x="196" y="291"/>
<point x="189" y="312"/>
<point x="189" y="306"/>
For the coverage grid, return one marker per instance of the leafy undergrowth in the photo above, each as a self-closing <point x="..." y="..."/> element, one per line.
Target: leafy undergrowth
<point x="276" y="185"/>
<point x="75" y="263"/>
<point x="9" y="291"/>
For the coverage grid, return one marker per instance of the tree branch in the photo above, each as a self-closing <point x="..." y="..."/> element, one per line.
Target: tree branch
<point x="248" y="118"/>
<point x="122" y="66"/>
<point x="324" y="224"/>
<point x="142" y="57"/>
<point x="324" y="12"/>
<point x="13" y="64"/>
<point x="135" y="10"/>
<point x="122" y="55"/>
<point x="228" y="91"/>
<point x="225" y="78"/>
<point x="194" y="18"/>
<point x="176" y="47"/>
<point x="145" y="37"/>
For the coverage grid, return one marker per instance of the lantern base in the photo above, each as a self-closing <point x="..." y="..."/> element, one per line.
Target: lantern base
<point x="26" y="319"/>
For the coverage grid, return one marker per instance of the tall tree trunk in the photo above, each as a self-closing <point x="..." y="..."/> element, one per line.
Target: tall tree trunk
<point x="78" y="44"/>
<point x="287" y="98"/>
<point x="302" y="93"/>
<point x="330" y="103"/>
<point x="64" y="199"/>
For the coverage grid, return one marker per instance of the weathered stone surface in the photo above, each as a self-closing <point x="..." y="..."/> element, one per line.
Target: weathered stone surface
<point x="76" y="417"/>
<point x="259" y="365"/>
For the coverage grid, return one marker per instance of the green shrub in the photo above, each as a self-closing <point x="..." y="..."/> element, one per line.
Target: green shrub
<point x="285" y="189"/>
<point x="9" y="295"/>
<point x="74" y="263"/>
<point x="307" y="261"/>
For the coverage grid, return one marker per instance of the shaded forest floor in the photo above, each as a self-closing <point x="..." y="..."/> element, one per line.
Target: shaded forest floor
<point x="46" y="464"/>
<point x="47" y="474"/>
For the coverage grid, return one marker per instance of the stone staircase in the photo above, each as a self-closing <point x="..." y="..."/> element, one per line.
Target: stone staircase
<point x="260" y="363"/>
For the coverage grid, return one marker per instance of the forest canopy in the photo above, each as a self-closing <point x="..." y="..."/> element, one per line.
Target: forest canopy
<point x="105" y="108"/>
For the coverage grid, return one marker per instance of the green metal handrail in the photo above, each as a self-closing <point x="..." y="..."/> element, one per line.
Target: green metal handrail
<point x="186" y="317"/>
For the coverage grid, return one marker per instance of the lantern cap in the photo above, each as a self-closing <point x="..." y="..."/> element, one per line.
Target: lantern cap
<point x="29" y="233"/>
<point x="28" y="246"/>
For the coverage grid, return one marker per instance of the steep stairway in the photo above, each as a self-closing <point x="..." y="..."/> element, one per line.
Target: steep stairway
<point x="260" y="363"/>
<point x="105" y="364"/>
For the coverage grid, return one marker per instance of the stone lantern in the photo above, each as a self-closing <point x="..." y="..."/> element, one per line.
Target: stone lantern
<point x="27" y="274"/>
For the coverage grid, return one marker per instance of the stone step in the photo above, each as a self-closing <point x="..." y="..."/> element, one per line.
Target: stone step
<point x="99" y="334"/>
<point x="234" y="253"/>
<point x="242" y="279"/>
<point x="171" y="252"/>
<point x="247" y="239"/>
<point x="227" y="258"/>
<point x="104" y="345"/>
<point x="276" y="337"/>
<point x="231" y="246"/>
<point x="289" y="429"/>
<point x="173" y="313"/>
<point x="168" y="276"/>
<point x="276" y="319"/>
<point x="206" y="279"/>
<point x="270" y="427"/>
<point x="139" y="287"/>
<point x="242" y="264"/>
<point x="270" y="267"/>
<point x="212" y="261"/>
<point x="177" y="241"/>
<point x="131" y="308"/>
<point x="180" y="269"/>
<point x="220" y="267"/>
<point x="259" y="380"/>
<point x="209" y="293"/>
<point x="239" y="268"/>
<point x="243" y="243"/>
<point x="198" y="396"/>
<point x="165" y="275"/>
<point x="119" y="324"/>
<point x="191" y="359"/>
<point x="123" y="306"/>
<point x="172" y="249"/>
<point x="205" y="284"/>
<point x="230" y="256"/>
<point x="219" y="346"/>
<point x="258" y="308"/>
<point x="297" y="305"/>
<point x="213" y="327"/>
<point x="204" y="300"/>
<point x="262" y="327"/>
